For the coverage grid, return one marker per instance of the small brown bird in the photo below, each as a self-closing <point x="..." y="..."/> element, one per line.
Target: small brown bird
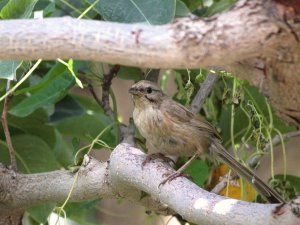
<point x="171" y="129"/>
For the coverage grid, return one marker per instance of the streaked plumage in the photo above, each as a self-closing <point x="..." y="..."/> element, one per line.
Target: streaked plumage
<point x="171" y="129"/>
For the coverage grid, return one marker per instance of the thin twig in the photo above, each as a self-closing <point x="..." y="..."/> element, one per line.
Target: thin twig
<point x="107" y="78"/>
<point x="203" y="92"/>
<point x="153" y="75"/>
<point x="106" y="92"/>
<point x="6" y="130"/>
<point x="254" y="160"/>
<point x="276" y="140"/>
<point x="127" y="132"/>
<point x="91" y="89"/>
<point x="228" y="177"/>
<point x="220" y="186"/>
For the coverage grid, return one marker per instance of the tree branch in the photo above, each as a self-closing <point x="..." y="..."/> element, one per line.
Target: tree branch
<point x="91" y="89"/>
<point x="125" y="177"/>
<point x="6" y="130"/>
<point x="186" y="43"/>
<point x="107" y="78"/>
<point x="203" y="92"/>
<point x="255" y="40"/>
<point x="20" y="191"/>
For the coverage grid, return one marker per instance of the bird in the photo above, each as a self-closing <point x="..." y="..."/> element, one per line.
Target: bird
<point x="170" y="129"/>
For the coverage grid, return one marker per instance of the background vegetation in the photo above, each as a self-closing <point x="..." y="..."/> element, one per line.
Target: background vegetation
<point x="50" y="120"/>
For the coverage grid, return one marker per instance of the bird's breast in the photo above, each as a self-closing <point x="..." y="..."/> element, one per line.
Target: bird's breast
<point x="164" y="135"/>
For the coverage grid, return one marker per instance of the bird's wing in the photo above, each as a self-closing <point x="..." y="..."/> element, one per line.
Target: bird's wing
<point x="176" y="112"/>
<point x="179" y="114"/>
<point x="204" y="125"/>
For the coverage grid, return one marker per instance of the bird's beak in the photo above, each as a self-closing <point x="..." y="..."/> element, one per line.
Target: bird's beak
<point x="133" y="91"/>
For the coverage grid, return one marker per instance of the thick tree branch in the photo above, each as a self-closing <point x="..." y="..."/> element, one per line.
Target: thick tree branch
<point x="186" y="43"/>
<point x="256" y="40"/>
<point x="20" y="191"/>
<point x="125" y="177"/>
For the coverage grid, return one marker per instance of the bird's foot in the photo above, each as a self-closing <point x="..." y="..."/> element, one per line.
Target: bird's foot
<point x="173" y="176"/>
<point x="154" y="156"/>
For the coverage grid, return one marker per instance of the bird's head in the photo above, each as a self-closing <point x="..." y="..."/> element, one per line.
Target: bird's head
<point x="146" y="93"/>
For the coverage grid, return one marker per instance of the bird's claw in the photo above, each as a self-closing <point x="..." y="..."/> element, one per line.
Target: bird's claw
<point x="154" y="156"/>
<point x="173" y="176"/>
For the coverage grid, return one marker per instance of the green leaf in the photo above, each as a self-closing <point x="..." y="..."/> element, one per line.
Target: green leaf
<point x="49" y="10"/>
<point x="62" y="151"/>
<point x="181" y="9"/>
<point x="288" y="187"/>
<point x="66" y="108"/>
<point x="76" y="210"/>
<point x="8" y="69"/>
<point x="294" y="180"/>
<point x="130" y="73"/>
<point x="34" y="124"/>
<point x="54" y="91"/>
<point x="88" y="125"/>
<point x="193" y="4"/>
<point x="15" y="9"/>
<point x="217" y="7"/>
<point x="41" y="212"/>
<point x="4" y="153"/>
<point x="199" y="171"/>
<point x="33" y="154"/>
<point x="70" y="68"/>
<point x="136" y="11"/>
<point x="52" y="74"/>
<point x="241" y="120"/>
<point x="3" y="3"/>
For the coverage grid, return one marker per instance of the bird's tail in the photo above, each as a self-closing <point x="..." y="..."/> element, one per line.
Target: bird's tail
<point x="270" y="194"/>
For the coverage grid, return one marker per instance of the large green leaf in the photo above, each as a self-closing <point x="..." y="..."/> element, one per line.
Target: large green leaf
<point x="62" y="151"/>
<point x="34" y="124"/>
<point x="8" y="69"/>
<point x="4" y="153"/>
<point x="88" y="125"/>
<point x="135" y="11"/>
<point x="41" y="212"/>
<point x="17" y="9"/>
<point x="40" y="84"/>
<point x="130" y="73"/>
<point x="181" y="9"/>
<point x="199" y="171"/>
<point x="66" y="108"/>
<point x="33" y="154"/>
<point x="216" y="7"/>
<point x="193" y="4"/>
<point x="54" y="91"/>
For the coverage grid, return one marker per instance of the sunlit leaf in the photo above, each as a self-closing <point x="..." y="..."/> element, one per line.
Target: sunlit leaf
<point x="135" y="11"/>
<point x="8" y="69"/>
<point x="17" y="9"/>
<point x="50" y="94"/>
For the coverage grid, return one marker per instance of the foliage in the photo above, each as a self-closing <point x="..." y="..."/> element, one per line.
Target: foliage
<point x="50" y="119"/>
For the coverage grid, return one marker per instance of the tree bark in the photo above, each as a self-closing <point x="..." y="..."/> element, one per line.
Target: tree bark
<point x="256" y="40"/>
<point x="125" y="177"/>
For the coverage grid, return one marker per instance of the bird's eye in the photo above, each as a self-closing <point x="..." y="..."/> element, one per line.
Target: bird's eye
<point x="149" y="90"/>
